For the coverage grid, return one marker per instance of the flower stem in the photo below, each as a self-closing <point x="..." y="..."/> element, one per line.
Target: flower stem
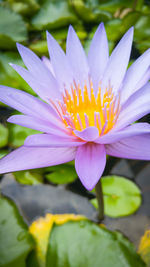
<point x="99" y="196"/>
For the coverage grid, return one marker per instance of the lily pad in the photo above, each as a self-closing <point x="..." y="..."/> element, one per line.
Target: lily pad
<point x="62" y="174"/>
<point x="54" y="15"/>
<point x="89" y="11"/>
<point x="86" y="244"/>
<point x="122" y="197"/>
<point x="15" y="240"/>
<point x="12" y="28"/>
<point x="41" y="229"/>
<point x="18" y="134"/>
<point x="28" y="177"/>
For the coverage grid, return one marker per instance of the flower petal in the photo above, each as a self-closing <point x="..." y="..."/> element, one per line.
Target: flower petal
<point x="89" y="134"/>
<point x="45" y="90"/>
<point x="144" y="80"/>
<point x="137" y="106"/>
<point x="27" y="104"/>
<point x="132" y="130"/>
<point x="134" y="74"/>
<point x="48" y="64"/>
<point x="51" y="140"/>
<point x="98" y="55"/>
<point x="118" y="62"/>
<point x="90" y="161"/>
<point x="36" y="66"/>
<point x="59" y="62"/>
<point x="77" y="57"/>
<point x="136" y="147"/>
<point x="25" y="158"/>
<point x="38" y="124"/>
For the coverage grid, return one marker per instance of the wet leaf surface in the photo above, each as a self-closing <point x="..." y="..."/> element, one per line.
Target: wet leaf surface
<point x="15" y="241"/>
<point x="84" y="243"/>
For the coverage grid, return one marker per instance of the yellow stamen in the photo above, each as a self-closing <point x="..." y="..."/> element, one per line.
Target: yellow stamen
<point x="79" y="109"/>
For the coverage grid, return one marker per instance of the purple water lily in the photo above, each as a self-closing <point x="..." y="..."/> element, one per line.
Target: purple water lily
<point x="88" y="108"/>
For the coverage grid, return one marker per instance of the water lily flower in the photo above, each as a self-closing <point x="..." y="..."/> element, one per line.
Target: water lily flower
<point x="86" y="106"/>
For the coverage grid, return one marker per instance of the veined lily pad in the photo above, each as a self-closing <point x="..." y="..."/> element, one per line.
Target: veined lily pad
<point x="15" y="240"/>
<point x="86" y="244"/>
<point x="122" y="197"/>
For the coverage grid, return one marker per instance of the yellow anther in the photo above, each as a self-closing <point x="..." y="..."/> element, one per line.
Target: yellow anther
<point x="81" y="109"/>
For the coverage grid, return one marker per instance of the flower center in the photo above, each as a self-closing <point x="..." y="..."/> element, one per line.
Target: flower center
<point x="78" y="110"/>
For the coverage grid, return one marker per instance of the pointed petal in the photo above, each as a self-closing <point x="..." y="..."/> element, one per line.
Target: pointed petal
<point x="118" y="62"/>
<point x="36" y="66"/>
<point x="144" y="80"/>
<point x="27" y="104"/>
<point x="45" y="90"/>
<point x="38" y="124"/>
<point x="132" y="130"/>
<point x="77" y="57"/>
<point x="90" y="161"/>
<point x="89" y="134"/>
<point x="98" y="55"/>
<point x="137" y="106"/>
<point x="134" y="74"/>
<point x="48" y="64"/>
<point x="25" y="158"/>
<point x="137" y="147"/>
<point x="59" y="62"/>
<point x="51" y="140"/>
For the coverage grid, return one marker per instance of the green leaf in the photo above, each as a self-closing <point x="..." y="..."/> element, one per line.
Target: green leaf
<point x="86" y="244"/>
<point x="39" y="47"/>
<point x="3" y="136"/>
<point x="18" y="134"/>
<point x="114" y="29"/>
<point x="3" y="153"/>
<point x="143" y="23"/>
<point x="113" y="5"/>
<point x="130" y="19"/>
<point x="32" y="260"/>
<point x="28" y="177"/>
<point x="53" y="15"/>
<point x="89" y="11"/>
<point x="16" y="242"/>
<point x="12" y="28"/>
<point x="122" y="197"/>
<point x="142" y="33"/>
<point x="41" y="229"/>
<point x="25" y="7"/>
<point x="62" y="174"/>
